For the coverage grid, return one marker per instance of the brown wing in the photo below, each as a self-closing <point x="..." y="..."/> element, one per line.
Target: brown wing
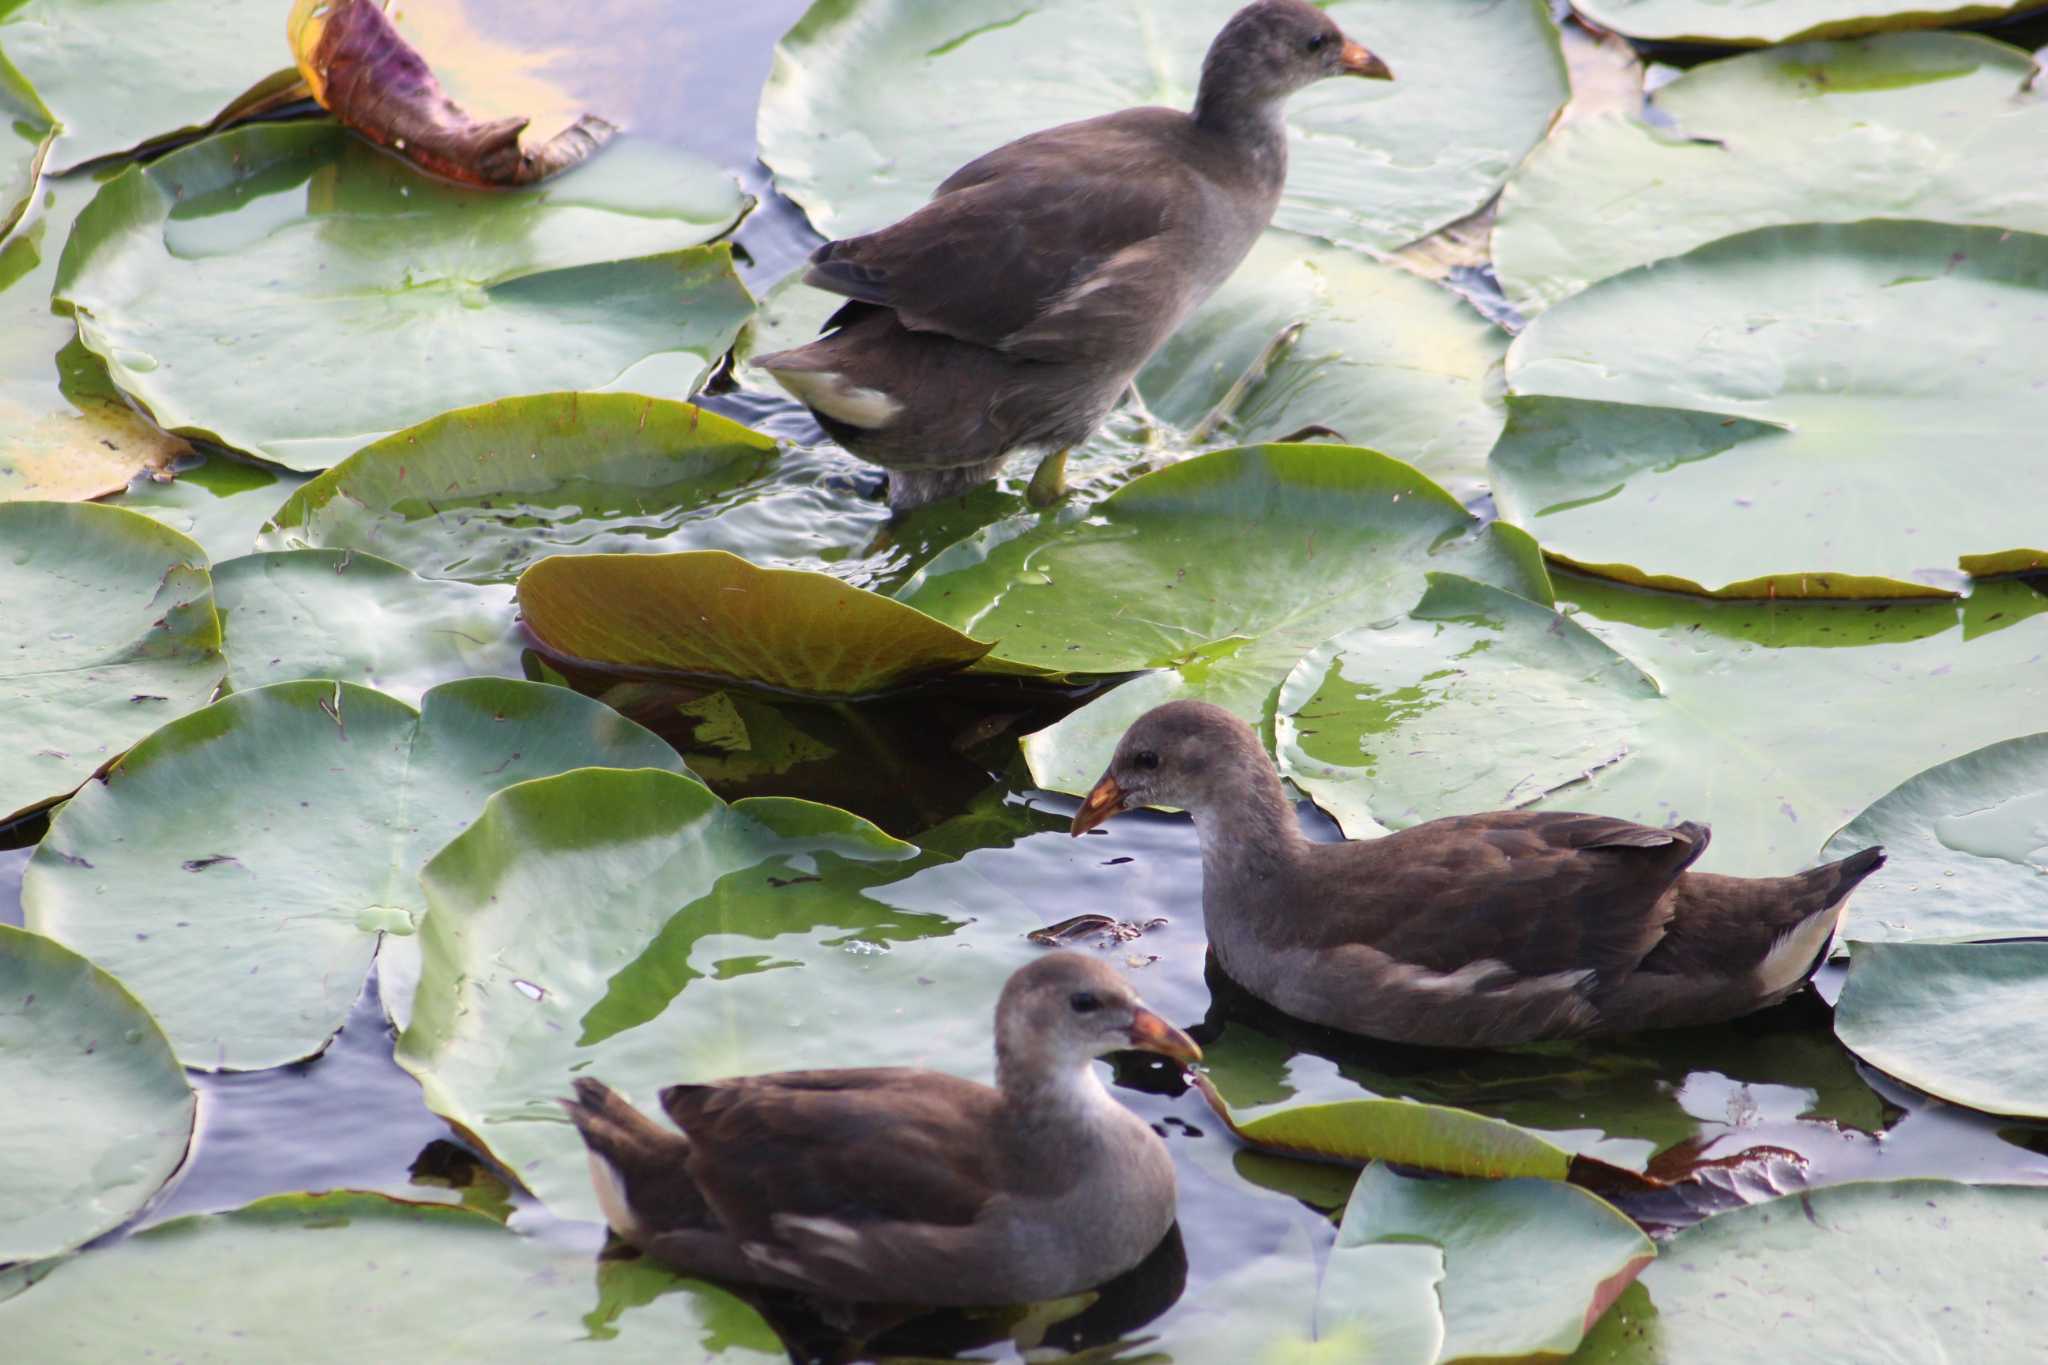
<point x="1010" y="235"/>
<point x="886" y="1145"/>
<point x="1543" y="892"/>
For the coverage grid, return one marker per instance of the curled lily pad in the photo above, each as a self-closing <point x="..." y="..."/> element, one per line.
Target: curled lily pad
<point x="1927" y="1264"/>
<point x="1219" y="572"/>
<point x="1643" y="705"/>
<point x="1784" y="21"/>
<point x="98" y="1114"/>
<point x="357" y="618"/>
<point x="65" y="431"/>
<point x="220" y="502"/>
<point x="1958" y="1020"/>
<point x="358" y="66"/>
<point x="248" y="921"/>
<point x="712" y="614"/>
<point x="182" y="65"/>
<point x="707" y="940"/>
<point x="1967" y="849"/>
<point x="1791" y="389"/>
<point x="394" y="1279"/>
<point x="481" y="493"/>
<point x="1921" y="125"/>
<point x="27" y="133"/>
<point x="110" y="630"/>
<point x="591" y="281"/>
<point x="846" y="119"/>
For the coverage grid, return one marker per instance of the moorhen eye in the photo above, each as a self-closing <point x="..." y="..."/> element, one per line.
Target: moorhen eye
<point x="1319" y="42"/>
<point x="1084" y="1002"/>
<point x="1145" y="760"/>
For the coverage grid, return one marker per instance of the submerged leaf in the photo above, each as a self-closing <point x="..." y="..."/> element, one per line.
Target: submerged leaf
<point x="368" y="76"/>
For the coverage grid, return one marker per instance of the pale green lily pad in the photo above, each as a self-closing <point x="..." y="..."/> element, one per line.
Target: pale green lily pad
<point x="846" y="120"/>
<point x="1901" y="1270"/>
<point x="1920" y="125"/>
<point x="26" y="131"/>
<point x="1961" y="1021"/>
<point x="109" y="631"/>
<point x="1528" y="1265"/>
<point x="220" y="502"/>
<point x="313" y="1277"/>
<point x="120" y="74"/>
<point x="247" y="920"/>
<point x="1790" y="389"/>
<point x="706" y="940"/>
<point x="357" y="618"/>
<point x="1782" y="21"/>
<point x="98" y="1113"/>
<point x="1220" y="572"/>
<point x="1645" y="706"/>
<point x="482" y="493"/>
<point x="1967" y="843"/>
<point x="370" y="297"/>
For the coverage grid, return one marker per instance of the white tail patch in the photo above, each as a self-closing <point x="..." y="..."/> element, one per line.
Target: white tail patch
<point x="829" y="392"/>
<point x="1785" y="965"/>
<point x="611" y="1196"/>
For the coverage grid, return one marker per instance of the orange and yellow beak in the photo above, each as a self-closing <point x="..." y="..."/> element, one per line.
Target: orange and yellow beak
<point x="1152" y="1034"/>
<point x="1359" y="61"/>
<point x="1104" y="801"/>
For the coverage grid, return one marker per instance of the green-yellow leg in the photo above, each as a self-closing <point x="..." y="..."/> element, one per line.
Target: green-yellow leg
<point x="1049" y="480"/>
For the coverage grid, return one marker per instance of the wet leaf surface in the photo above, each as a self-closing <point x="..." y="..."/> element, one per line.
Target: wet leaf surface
<point x="246" y="921"/>
<point x="98" y="1113"/>
<point x="28" y="132"/>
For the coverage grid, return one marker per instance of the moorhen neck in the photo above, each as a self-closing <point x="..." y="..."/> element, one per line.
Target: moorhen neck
<point x="1013" y="309"/>
<point x="1474" y="930"/>
<point x="895" y="1185"/>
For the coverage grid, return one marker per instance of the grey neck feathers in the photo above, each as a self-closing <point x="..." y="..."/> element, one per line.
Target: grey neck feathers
<point x="1254" y="838"/>
<point x="1050" y="1112"/>
<point x="1252" y="120"/>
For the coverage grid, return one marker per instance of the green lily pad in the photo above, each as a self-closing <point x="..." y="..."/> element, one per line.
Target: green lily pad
<point x="1220" y="572"/>
<point x="1959" y="1020"/>
<point x="1784" y="21"/>
<point x="1897" y="1270"/>
<point x="846" y="118"/>
<point x="1967" y="848"/>
<point x="109" y="631"/>
<point x="181" y="64"/>
<point x="357" y="618"/>
<point x="370" y="297"/>
<point x="247" y="920"/>
<point x="1528" y="1265"/>
<point x="482" y="493"/>
<point x="1790" y="389"/>
<point x="65" y="430"/>
<point x="26" y="131"/>
<point x="220" y="502"/>
<point x="708" y="940"/>
<point x="1912" y="125"/>
<point x="98" y="1114"/>
<point x="712" y="614"/>
<point x="391" y="1279"/>
<point x="1645" y="706"/>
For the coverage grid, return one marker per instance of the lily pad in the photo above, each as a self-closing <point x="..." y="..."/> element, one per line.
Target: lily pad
<point x="1958" y="1020"/>
<point x="846" y="118"/>
<point x="26" y="136"/>
<point x="1967" y="849"/>
<point x="98" y="1114"/>
<point x="708" y="940"/>
<point x="110" y="631"/>
<point x="1898" y="1270"/>
<point x="1790" y="389"/>
<point x="391" y="1279"/>
<point x="712" y="614"/>
<point x="1220" y="572"/>
<point x="482" y="493"/>
<point x="1644" y="706"/>
<point x="1911" y="125"/>
<point x="1528" y="1265"/>
<point x="357" y="618"/>
<point x="65" y="430"/>
<point x="181" y="64"/>
<point x="494" y="292"/>
<point x="247" y="920"/>
<point x="218" y="501"/>
<point x="1784" y="21"/>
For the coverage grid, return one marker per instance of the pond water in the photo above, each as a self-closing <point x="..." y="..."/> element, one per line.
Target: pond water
<point x="352" y="1119"/>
